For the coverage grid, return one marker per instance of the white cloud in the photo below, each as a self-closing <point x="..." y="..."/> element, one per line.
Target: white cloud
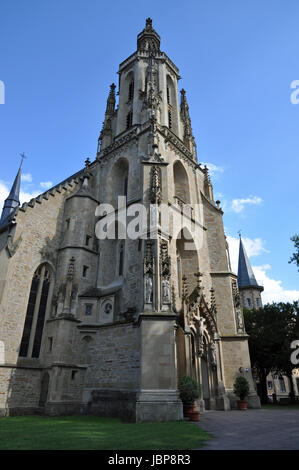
<point x="26" y="197"/>
<point x="273" y="289"/>
<point x="26" y="177"/>
<point x="46" y="184"/>
<point x="238" y="204"/>
<point x="213" y="169"/>
<point x="3" y="193"/>
<point x="253" y="247"/>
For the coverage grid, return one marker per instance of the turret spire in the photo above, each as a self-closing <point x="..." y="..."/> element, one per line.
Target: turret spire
<point x="189" y="140"/>
<point x="148" y="39"/>
<point x="13" y="199"/>
<point x="246" y="277"/>
<point x="105" y="138"/>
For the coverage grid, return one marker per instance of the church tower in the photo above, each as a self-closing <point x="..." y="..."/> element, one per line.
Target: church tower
<point x="120" y="283"/>
<point x="249" y="289"/>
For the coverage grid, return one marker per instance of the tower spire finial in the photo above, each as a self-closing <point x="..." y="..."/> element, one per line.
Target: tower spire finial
<point x="148" y="39"/>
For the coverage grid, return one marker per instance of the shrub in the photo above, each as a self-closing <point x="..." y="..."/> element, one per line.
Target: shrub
<point x="189" y="390"/>
<point x="241" y="387"/>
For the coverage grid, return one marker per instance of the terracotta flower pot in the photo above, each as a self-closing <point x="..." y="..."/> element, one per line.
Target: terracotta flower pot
<point x="188" y="409"/>
<point x="242" y="404"/>
<point x="194" y="416"/>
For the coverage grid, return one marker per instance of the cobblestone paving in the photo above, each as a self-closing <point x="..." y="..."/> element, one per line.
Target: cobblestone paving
<point x="251" y="429"/>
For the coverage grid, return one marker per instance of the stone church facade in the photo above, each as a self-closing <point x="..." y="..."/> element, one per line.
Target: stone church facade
<point x="108" y="325"/>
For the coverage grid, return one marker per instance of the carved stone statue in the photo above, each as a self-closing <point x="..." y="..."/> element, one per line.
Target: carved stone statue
<point x="148" y="289"/>
<point x="213" y="354"/>
<point x="239" y="320"/>
<point x="166" y="291"/>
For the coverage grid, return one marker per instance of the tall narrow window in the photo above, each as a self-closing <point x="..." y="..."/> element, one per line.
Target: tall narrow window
<point x="282" y="384"/>
<point x="126" y="186"/>
<point x="41" y="315"/>
<point x="129" y="119"/>
<point x="36" y="312"/>
<point x="168" y="95"/>
<point x="121" y="260"/>
<point x="131" y="90"/>
<point x="169" y="120"/>
<point x="85" y="270"/>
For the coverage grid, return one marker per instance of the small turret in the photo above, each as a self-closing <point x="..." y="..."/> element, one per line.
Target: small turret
<point x="148" y="39"/>
<point x="13" y="199"/>
<point x="249" y="289"/>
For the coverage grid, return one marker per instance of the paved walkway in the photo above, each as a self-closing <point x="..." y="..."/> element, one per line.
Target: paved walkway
<point x="251" y="429"/>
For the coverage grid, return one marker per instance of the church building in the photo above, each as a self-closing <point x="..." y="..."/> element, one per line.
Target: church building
<point x="102" y="312"/>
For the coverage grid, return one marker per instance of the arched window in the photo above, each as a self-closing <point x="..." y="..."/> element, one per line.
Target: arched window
<point x="119" y="182"/>
<point x="181" y="183"/>
<point x="121" y="259"/>
<point x="36" y="312"/>
<point x="131" y="90"/>
<point x="187" y="260"/>
<point x="129" y="119"/>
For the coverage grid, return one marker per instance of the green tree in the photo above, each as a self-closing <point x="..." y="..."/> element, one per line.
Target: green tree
<point x="271" y="330"/>
<point x="295" y="257"/>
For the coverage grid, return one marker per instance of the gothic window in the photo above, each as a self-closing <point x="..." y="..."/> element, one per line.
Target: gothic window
<point x="129" y="119"/>
<point x="181" y="183"/>
<point x="131" y="90"/>
<point x="36" y="312"/>
<point x="282" y="384"/>
<point x="87" y="240"/>
<point x="85" y="270"/>
<point x="50" y="343"/>
<point x="121" y="260"/>
<point x="88" y="309"/>
<point x="169" y="120"/>
<point x="179" y="273"/>
<point x="168" y="95"/>
<point x="126" y="186"/>
<point x="270" y="385"/>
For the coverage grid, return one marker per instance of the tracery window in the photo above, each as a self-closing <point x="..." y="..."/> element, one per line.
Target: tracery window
<point x="36" y="312"/>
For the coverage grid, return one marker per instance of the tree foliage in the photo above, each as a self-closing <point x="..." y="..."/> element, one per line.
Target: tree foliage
<point x="295" y="257"/>
<point x="271" y="330"/>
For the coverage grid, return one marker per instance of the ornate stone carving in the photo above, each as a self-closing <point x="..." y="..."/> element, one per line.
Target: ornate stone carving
<point x="156" y="190"/>
<point x="148" y="273"/>
<point x="165" y="273"/>
<point x="213" y="355"/>
<point x="237" y="306"/>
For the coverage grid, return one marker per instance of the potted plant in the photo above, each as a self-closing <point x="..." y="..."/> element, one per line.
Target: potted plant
<point x="241" y="389"/>
<point x="189" y="392"/>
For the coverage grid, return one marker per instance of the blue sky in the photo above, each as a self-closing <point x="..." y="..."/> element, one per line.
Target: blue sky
<point x="237" y="60"/>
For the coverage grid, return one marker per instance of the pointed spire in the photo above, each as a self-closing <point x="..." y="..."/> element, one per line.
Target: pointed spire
<point x="13" y="199"/>
<point x="246" y="278"/>
<point x="189" y="140"/>
<point x="105" y="138"/>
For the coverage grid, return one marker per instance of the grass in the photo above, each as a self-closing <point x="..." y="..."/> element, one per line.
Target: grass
<point x="94" y="433"/>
